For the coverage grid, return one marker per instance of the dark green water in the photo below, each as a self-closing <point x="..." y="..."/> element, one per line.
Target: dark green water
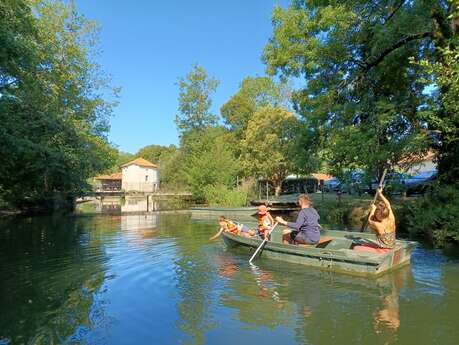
<point x="156" y="279"/>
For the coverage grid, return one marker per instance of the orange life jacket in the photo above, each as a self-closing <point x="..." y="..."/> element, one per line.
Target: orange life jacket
<point x="263" y="222"/>
<point x="231" y="227"/>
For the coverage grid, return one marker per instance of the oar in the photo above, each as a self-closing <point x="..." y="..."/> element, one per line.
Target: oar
<point x="380" y="186"/>
<point x="262" y="244"/>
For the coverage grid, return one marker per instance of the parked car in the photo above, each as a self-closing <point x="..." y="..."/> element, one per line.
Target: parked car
<point x="398" y="183"/>
<point x="420" y="183"/>
<point x="394" y="183"/>
<point x="332" y="185"/>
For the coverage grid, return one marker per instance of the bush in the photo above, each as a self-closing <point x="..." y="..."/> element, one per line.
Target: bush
<point x="434" y="216"/>
<point x="221" y="195"/>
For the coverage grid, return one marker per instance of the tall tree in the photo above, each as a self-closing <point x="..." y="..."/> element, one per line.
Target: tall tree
<point x="254" y="93"/>
<point x="194" y="100"/>
<point x="442" y="112"/>
<point x="268" y="144"/>
<point x="208" y="159"/>
<point x="54" y="119"/>
<point x="362" y="99"/>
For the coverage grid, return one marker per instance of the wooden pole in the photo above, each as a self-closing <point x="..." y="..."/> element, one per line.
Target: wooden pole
<point x="381" y="183"/>
<point x="267" y="192"/>
<point x="262" y="243"/>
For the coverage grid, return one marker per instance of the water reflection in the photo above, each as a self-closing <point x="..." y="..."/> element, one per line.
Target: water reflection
<point x="50" y="268"/>
<point x="129" y="204"/>
<point x="154" y="278"/>
<point x="313" y="302"/>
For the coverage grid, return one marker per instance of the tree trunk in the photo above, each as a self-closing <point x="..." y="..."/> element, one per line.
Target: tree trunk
<point x="278" y="189"/>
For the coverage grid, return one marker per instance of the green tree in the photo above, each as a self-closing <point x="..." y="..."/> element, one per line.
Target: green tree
<point x="268" y="144"/>
<point x="442" y="113"/>
<point x="362" y="100"/>
<point x="194" y="100"/>
<point x="208" y="159"/>
<point x="170" y="161"/>
<point x="156" y="153"/>
<point x="254" y="92"/>
<point x="54" y="118"/>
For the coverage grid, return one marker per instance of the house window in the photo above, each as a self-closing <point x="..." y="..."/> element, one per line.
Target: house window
<point x="146" y="178"/>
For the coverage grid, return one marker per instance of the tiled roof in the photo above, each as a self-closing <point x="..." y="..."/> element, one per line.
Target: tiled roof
<point x="321" y="176"/>
<point x="415" y="159"/>
<point x="115" y="176"/>
<point x="140" y="162"/>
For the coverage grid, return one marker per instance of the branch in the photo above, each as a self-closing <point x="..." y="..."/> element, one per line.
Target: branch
<point x="394" y="11"/>
<point x="401" y="43"/>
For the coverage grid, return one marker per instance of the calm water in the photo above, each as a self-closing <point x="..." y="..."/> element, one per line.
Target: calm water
<point x="156" y="279"/>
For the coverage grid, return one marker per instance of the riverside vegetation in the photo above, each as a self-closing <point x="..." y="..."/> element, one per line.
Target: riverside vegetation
<point x="349" y="85"/>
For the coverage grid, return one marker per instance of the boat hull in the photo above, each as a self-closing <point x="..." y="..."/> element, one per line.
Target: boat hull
<point x="334" y="256"/>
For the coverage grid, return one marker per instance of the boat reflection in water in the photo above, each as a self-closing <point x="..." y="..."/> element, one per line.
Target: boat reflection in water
<point x="313" y="302"/>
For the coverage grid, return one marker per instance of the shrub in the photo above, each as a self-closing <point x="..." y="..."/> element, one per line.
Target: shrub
<point x="434" y="216"/>
<point x="221" y="195"/>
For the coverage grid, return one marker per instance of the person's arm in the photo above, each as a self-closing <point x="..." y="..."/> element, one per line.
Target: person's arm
<point x="271" y="219"/>
<point x="217" y="235"/>
<point x="384" y="199"/>
<point x="300" y="220"/>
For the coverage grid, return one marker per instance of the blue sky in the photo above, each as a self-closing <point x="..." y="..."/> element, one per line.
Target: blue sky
<point x="147" y="45"/>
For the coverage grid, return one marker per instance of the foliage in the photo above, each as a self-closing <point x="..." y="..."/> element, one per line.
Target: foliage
<point x="172" y="171"/>
<point x="194" y="100"/>
<point x="156" y="153"/>
<point x="208" y="159"/>
<point x="363" y="101"/>
<point x="221" y="195"/>
<point x="53" y="115"/>
<point x="267" y="144"/>
<point x="254" y="93"/>
<point x="433" y="216"/>
<point x="443" y="113"/>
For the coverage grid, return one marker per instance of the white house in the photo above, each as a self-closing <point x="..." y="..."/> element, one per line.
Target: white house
<point x="423" y="164"/>
<point x="140" y="175"/>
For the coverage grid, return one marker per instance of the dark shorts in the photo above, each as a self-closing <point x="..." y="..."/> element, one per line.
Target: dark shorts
<point x="301" y="237"/>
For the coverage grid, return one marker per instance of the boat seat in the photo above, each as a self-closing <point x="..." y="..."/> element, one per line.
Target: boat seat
<point x="323" y="240"/>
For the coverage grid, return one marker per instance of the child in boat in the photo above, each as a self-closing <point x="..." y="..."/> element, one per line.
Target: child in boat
<point x="265" y="221"/>
<point x="227" y="225"/>
<point x="306" y="229"/>
<point x="382" y="221"/>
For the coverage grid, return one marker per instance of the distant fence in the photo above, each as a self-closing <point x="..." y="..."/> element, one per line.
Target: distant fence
<point x="144" y="187"/>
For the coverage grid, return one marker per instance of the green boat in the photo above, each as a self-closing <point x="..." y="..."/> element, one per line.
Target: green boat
<point x="334" y="252"/>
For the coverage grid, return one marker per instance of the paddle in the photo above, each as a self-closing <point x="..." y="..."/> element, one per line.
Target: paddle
<point x="262" y="243"/>
<point x="380" y="186"/>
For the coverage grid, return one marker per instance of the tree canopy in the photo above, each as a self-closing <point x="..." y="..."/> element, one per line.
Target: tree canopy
<point x="194" y="100"/>
<point x="54" y="109"/>
<point x="268" y="144"/>
<point x="362" y="99"/>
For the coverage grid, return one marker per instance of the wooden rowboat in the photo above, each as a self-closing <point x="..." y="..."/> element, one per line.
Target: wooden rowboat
<point x="333" y="253"/>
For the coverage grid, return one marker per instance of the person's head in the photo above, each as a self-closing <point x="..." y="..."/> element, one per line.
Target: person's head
<point x="381" y="212"/>
<point x="222" y="220"/>
<point x="262" y="210"/>
<point x="304" y="201"/>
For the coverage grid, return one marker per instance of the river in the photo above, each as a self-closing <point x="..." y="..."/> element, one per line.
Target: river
<point x="155" y="278"/>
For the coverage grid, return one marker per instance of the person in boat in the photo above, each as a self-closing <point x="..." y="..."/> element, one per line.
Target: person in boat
<point x="265" y="221"/>
<point x="227" y="225"/>
<point x="306" y="228"/>
<point x="382" y="221"/>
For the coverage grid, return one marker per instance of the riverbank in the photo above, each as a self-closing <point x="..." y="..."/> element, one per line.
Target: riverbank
<point x="431" y="218"/>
